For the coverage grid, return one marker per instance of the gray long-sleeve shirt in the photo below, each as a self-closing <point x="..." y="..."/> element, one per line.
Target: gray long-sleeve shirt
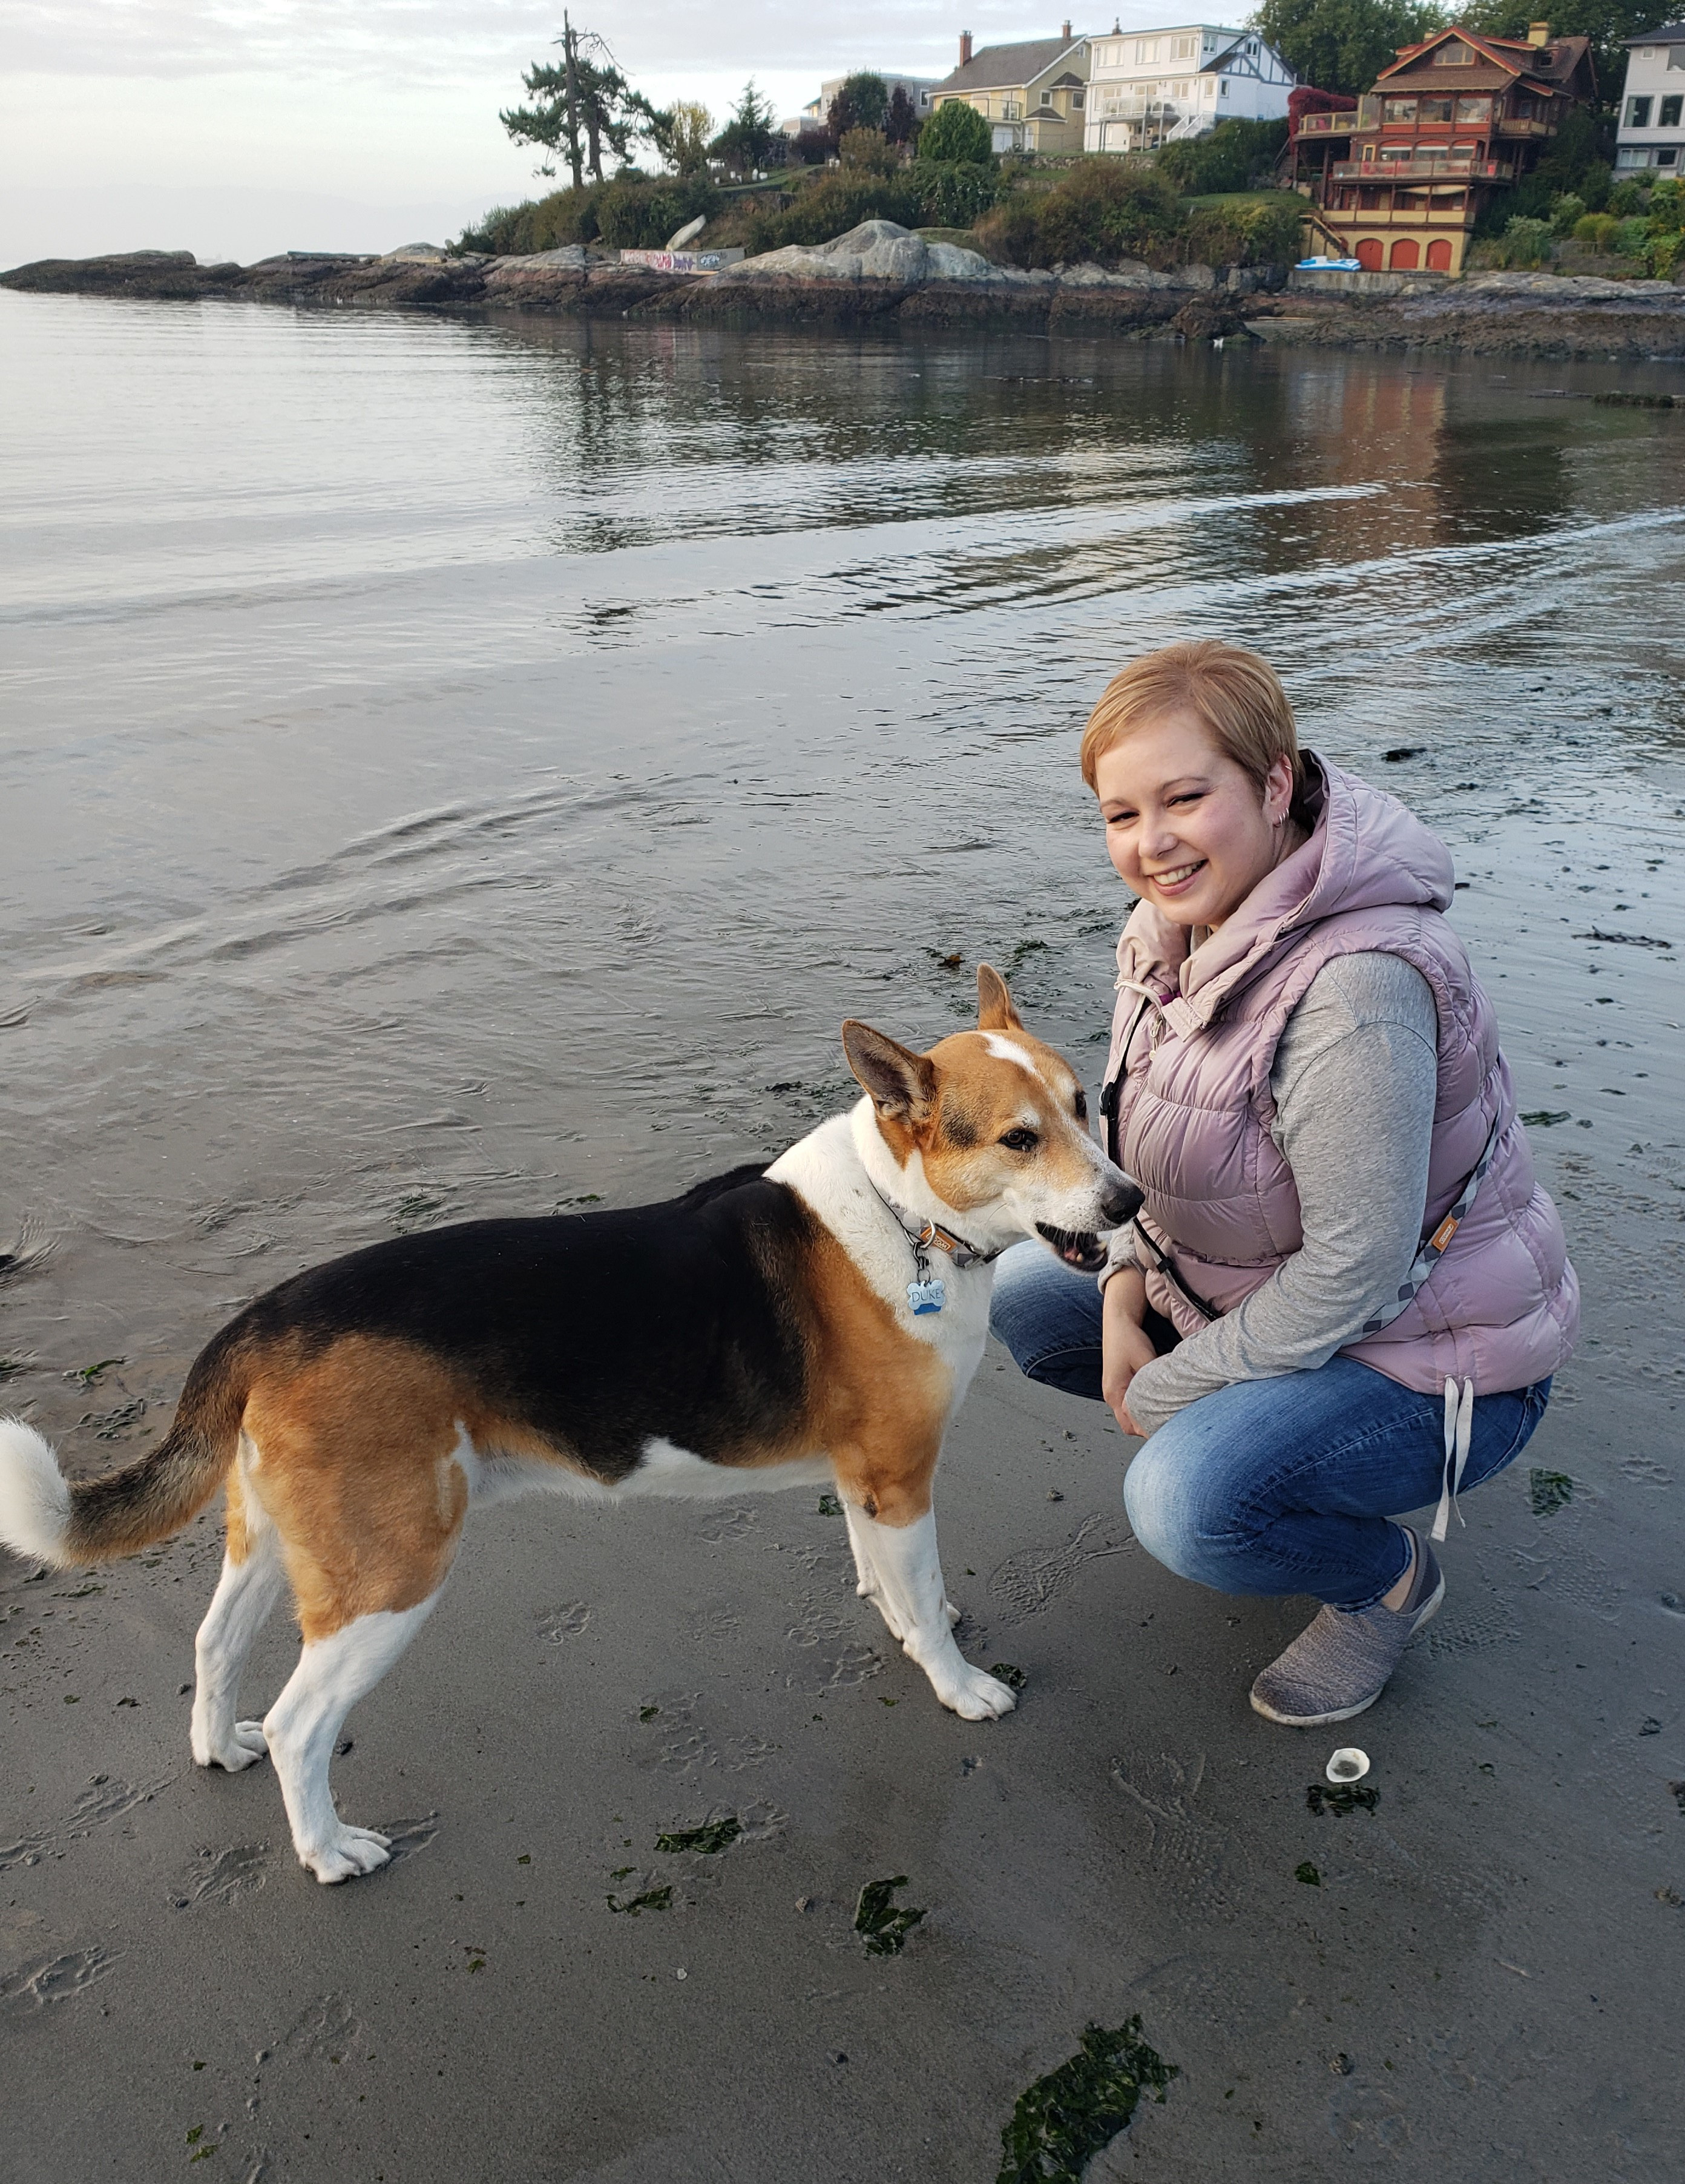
<point x="1355" y="1080"/>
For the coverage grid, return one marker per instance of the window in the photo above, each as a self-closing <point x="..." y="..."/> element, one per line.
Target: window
<point x="1183" y="89"/>
<point x="1399" y="110"/>
<point x="1454" y="53"/>
<point x="1146" y="49"/>
<point x="1397" y="151"/>
<point x="1668" y="156"/>
<point x="1638" y="114"/>
<point x="1667" y="114"/>
<point x="1675" y="57"/>
<point x="1433" y="110"/>
<point x="1474" y="109"/>
<point x="1182" y="49"/>
<point x="1462" y="151"/>
<point x="1076" y="101"/>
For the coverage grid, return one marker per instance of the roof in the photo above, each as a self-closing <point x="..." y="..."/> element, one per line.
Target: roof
<point x="1552" y="64"/>
<point x="1004" y="68"/>
<point x="1670" y="34"/>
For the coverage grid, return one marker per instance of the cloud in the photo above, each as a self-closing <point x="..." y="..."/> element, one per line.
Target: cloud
<point x="435" y="40"/>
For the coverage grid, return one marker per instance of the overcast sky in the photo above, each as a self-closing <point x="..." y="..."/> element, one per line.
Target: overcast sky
<point x="234" y="128"/>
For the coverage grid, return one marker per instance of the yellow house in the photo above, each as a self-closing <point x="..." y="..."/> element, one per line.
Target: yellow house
<point x="1032" y="95"/>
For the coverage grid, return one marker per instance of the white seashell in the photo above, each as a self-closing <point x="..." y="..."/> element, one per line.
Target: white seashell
<point x="1348" y="1764"/>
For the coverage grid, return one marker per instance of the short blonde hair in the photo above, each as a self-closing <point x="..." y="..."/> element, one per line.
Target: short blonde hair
<point x="1238" y="696"/>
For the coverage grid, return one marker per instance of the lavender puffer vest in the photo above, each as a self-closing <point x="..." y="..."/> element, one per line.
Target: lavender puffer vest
<point x="1190" y="1108"/>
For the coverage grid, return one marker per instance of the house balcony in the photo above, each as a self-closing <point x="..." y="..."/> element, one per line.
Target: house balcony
<point x="1350" y="221"/>
<point x="1421" y="170"/>
<point x="1326" y="124"/>
<point x="1510" y="127"/>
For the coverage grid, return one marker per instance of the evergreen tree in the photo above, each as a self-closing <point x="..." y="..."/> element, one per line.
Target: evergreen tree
<point x="747" y="138"/>
<point x="956" y="131"/>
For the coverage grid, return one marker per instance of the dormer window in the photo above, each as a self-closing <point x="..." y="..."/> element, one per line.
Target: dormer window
<point x="1454" y="53"/>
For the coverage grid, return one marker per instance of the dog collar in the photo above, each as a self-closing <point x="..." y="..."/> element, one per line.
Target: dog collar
<point x="927" y="1293"/>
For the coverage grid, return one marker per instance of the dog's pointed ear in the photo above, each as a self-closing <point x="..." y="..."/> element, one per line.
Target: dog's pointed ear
<point x="900" y="1081"/>
<point x="995" y="1011"/>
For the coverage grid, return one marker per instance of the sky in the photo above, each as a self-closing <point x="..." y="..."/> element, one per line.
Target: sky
<point x="237" y="128"/>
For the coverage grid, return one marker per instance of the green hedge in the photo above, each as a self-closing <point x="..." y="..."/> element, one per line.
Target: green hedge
<point x="631" y="212"/>
<point x="1224" y="160"/>
<point x="927" y="193"/>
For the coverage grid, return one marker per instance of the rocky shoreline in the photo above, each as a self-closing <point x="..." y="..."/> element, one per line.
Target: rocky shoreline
<point x="880" y="272"/>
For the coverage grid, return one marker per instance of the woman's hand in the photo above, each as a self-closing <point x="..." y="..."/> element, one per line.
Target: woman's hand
<point x="1125" y="1347"/>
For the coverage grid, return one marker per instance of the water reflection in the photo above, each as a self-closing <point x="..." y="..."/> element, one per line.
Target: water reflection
<point x="481" y="762"/>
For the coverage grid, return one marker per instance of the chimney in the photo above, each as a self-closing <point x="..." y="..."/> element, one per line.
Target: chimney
<point x="1064" y="32"/>
<point x="1538" y="34"/>
<point x="964" y="48"/>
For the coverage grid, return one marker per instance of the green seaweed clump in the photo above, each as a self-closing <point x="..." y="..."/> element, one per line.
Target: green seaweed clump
<point x="1064" y="2119"/>
<point x="1549" y="1491"/>
<point x="1342" y="1797"/>
<point x="881" y="1923"/>
<point x="829" y="1506"/>
<point x="648" y="1899"/>
<point x="1012" y="1676"/>
<point x="1306" y="1872"/>
<point x="711" y="1837"/>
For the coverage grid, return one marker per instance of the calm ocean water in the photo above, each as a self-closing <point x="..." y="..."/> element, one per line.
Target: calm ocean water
<point x="465" y="767"/>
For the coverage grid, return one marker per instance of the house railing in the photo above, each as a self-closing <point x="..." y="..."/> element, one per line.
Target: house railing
<point x="1326" y="124"/>
<point x="1432" y="170"/>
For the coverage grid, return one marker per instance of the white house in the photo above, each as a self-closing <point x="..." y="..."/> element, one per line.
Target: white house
<point x="1651" y="134"/>
<point x="815" y="114"/>
<point x="1152" y="87"/>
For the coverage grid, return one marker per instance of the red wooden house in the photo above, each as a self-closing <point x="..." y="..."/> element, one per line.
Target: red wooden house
<point x="1455" y="118"/>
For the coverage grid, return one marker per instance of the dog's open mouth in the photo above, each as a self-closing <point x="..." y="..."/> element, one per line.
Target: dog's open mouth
<point x="1078" y="1248"/>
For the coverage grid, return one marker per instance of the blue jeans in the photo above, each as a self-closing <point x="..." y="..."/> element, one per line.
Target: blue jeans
<point x="1285" y="1485"/>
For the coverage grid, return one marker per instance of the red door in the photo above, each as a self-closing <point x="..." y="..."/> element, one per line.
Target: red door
<point x="1439" y="256"/>
<point x="1369" y="254"/>
<point x="1406" y="254"/>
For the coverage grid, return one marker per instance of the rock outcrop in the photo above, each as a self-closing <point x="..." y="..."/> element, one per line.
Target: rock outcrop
<point x="881" y="271"/>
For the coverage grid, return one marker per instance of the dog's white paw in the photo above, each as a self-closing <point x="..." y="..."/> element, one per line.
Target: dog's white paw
<point x="950" y="1611"/>
<point x="352" y="1852"/>
<point x="242" y="1746"/>
<point x="973" y="1694"/>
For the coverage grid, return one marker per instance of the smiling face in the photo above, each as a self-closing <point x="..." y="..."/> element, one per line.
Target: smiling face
<point x="1186" y="825"/>
<point x="996" y="1124"/>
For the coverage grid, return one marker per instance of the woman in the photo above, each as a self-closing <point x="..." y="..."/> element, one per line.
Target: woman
<point x="1346" y="1294"/>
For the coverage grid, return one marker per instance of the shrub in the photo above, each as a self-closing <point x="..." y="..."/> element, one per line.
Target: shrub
<point x="1627" y="197"/>
<point x="511" y="230"/>
<point x="1631" y="234"/>
<point x="1251" y="231"/>
<point x="868" y="151"/>
<point x="1226" y="159"/>
<point x="1012" y="234"/>
<point x="1104" y="209"/>
<point x="1667" y="207"/>
<point x="830" y="207"/>
<point x="1663" y="253"/>
<point x="1525" y="243"/>
<point x="635" y="214"/>
<point x="1566" y="213"/>
<point x="1598" y="228"/>
<point x="952" y="193"/>
<point x="956" y="131"/>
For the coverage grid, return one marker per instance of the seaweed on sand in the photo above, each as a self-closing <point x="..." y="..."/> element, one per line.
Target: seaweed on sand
<point x="1342" y="1797"/>
<point x="881" y="1923"/>
<point x="1064" y="2119"/>
<point x="710" y="1838"/>
<point x="1547" y="1491"/>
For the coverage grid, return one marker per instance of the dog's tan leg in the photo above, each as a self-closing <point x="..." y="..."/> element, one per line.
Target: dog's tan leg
<point x="891" y="1525"/>
<point x="364" y="1476"/>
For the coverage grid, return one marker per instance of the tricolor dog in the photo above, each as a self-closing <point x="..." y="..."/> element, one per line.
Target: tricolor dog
<point x="817" y="1321"/>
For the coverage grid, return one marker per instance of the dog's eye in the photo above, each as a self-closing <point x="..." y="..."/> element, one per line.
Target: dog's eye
<point x="1081" y="1104"/>
<point x="1021" y="1141"/>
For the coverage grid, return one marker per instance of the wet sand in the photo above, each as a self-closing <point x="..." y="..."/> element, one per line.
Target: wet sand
<point x="424" y="856"/>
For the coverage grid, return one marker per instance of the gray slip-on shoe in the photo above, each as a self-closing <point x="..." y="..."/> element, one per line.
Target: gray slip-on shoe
<point x="1344" y="1661"/>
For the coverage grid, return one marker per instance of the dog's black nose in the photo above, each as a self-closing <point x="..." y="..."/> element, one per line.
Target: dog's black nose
<point x="1121" y="1202"/>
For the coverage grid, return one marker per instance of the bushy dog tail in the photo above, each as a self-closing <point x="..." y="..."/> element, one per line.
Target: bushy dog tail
<point x="43" y="1516"/>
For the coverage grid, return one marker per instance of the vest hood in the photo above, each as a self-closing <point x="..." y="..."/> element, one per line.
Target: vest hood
<point x="1365" y="852"/>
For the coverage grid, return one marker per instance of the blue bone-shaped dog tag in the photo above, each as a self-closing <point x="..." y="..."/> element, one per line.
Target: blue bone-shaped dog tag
<point x="926" y="1296"/>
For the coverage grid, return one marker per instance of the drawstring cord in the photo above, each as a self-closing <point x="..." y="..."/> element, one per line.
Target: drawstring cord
<point x="1459" y="1428"/>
